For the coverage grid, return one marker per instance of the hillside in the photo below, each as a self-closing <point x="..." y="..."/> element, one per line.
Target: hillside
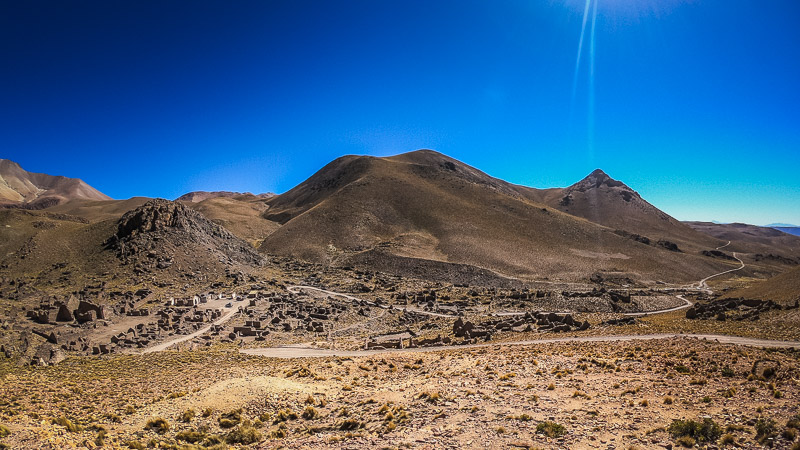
<point x="783" y="288"/>
<point x="391" y="213"/>
<point x="20" y="188"/>
<point x="242" y="215"/>
<point x="609" y="202"/>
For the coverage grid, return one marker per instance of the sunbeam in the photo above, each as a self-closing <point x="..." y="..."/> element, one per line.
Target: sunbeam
<point x="580" y="50"/>
<point x="591" y="82"/>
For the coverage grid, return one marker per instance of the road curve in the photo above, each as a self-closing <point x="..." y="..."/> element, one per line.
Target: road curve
<point x="296" y="289"/>
<point x="306" y="351"/>
<point x="702" y="284"/>
<point x="177" y="340"/>
<point x="686" y="304"/>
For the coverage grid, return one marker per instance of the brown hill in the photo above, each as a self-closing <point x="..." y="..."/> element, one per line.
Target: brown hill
<point x="241" y="215"/>
<point x="783" y="288"/>
<point x="751" y="238"/>
<point x="609" y="202"/>
<point x="20" y="188"/>
<point x="394" y="212"/>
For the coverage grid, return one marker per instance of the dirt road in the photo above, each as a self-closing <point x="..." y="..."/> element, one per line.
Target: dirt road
<point x="296" y="289"/>
<point x="178" y="339"/>
<point x="306" y="351"/>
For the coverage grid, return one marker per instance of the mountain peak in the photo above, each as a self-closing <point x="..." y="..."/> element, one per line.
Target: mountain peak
<point x="595" y="180"/>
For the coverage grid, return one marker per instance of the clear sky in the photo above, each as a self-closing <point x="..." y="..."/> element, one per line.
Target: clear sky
<point x="695" y="104"/>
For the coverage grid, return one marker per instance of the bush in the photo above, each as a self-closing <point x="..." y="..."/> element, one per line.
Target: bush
<point x="765" y="429"/>
<point x="191" y="437"/>
<point x="230" y="419"/>
<point x="158" y="424"/>
<point x="187" y="415"/>
<point x="705" y="431"/>
<point x="550" y="429"/>
<point x="4" y="431"/>
<point x="350" y="424"/>
<point x="68" y="424"/>
<point x="310" y="413"/>
<point x="243" y="435"/>
<point x="728" y="439"/>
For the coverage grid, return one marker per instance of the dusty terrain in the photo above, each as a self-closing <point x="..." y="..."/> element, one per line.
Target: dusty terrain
<point x="410" y="301"/>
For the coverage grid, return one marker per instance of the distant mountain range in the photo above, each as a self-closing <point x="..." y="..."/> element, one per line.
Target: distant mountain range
<point x="790" y="230"/>
<point x="426" y="215"/>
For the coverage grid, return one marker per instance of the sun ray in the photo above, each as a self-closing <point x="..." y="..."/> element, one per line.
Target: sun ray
<point x="580" y="49"/>
<point x="591" y="81"/>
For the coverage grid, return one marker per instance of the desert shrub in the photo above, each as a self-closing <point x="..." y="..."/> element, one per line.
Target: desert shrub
<point x="728" y="439"/>
<point x="550" y="429"/>
<point x="350" y="424"/>
<point x="310" y="413"/>
<point x="243" y="435"/>
<point x="790" y="434"/>
<point x="190" y="436"/>
<point x="207" y="412"/>
<point x="68" y="424"/>
<point x="705" y="431"/>
<point x="727" y="372"/>
<point x="686" y="441"/>
<point x="230" y="419"/>
<point x="157" y="424"/>
<point x="136" y="445"/>
<point x="765" y="429"/>
<point x="100" y="439"/>
<point x="430" y="397"/>
<point x="4" y="431"/>
<point x="187" y="415"/>
<point x="284" y="415"/>
<point x="668" y="400"/>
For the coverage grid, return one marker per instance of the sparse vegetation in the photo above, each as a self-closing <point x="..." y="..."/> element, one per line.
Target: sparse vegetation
<point x="705" y="431"/>
<point x="550" y="429"/>
<point x="158" y="424"/>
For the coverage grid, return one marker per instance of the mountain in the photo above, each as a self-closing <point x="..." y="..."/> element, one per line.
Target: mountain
<point x="199" y="196"/>
<point x="20" y="188"/>
<point x="396" y="213"/>
<point x="795" y="231"/>
<point x="609" y="202"/>
<point x="751" y="238"/>
<point x="781" y="225"/>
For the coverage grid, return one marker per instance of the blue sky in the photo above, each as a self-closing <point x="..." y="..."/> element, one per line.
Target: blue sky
<point x="692" y="103"/>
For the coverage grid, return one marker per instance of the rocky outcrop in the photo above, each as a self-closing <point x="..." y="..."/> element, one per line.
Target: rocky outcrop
<point x="151" y="234"/>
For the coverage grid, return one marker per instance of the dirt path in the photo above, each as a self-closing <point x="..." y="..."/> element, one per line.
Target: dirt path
<point x="306" y="351"/>
<point x="686" y="304"/>
<point x="177" y="340"/>
<point x="702" y="284"/>
<point x="296" y="289"/>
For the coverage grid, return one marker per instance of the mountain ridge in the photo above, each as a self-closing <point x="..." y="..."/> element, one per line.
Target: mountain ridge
<point x="31" y="190"/>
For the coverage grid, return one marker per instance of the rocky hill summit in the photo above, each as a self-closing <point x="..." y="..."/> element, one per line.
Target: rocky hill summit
<point x="161" y="232"/>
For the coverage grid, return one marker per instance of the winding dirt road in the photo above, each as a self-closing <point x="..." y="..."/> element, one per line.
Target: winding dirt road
<point x="177" y="340"/>
<point x="702" y="284"/>
<point x="306" y="351"/>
